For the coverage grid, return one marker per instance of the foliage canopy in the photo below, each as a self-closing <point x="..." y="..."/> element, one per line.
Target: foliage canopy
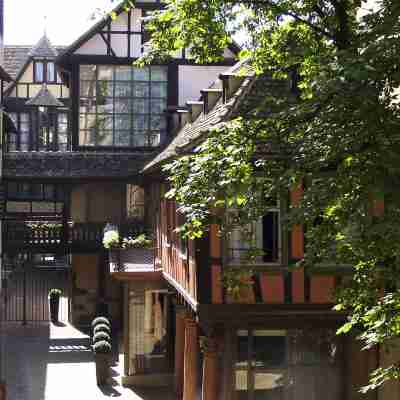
<point x="339" y="138"/>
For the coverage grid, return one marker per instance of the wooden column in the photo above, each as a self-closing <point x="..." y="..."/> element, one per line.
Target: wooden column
<point x="148" y="311"/>
<point x="210" y="371"/>
<point x="179" y="350"/>
<point x="191" y="362"/>
<point x="3" y="391"/>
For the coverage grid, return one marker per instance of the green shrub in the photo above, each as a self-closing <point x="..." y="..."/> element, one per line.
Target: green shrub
<point x="98" y="336"/>
<point x="54" y="293"/>
<point x="102" y="328"/>
<point x="102" y="347"/>
<point x="101" y="320"/>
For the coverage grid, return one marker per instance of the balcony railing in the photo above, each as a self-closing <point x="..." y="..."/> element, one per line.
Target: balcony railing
<point x="56" y="236"/>
<point x="132" y="260"/>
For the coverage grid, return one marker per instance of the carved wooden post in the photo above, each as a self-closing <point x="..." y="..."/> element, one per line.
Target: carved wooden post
<point x="210" y="370"/>
<point x="191" y="362"/>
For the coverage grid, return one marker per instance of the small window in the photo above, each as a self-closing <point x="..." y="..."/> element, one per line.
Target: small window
<point x="257" y="242"/>
<point x="135" y="201"/>
<point x="62" y="130"/>
<point x="39" y="72"/>
<point x="51" y="73"/>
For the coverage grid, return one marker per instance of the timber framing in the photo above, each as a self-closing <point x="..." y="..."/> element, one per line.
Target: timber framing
<point x="273" y="316"/>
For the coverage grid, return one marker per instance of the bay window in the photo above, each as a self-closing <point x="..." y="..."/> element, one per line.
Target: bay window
<point x="122" y="106"/>
<point x="39" y="130"/>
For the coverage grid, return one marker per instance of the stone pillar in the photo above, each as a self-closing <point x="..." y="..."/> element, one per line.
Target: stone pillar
<point x="210" y="370"/>
<point x="179" y="350"/>
<point x="191" y="362"/>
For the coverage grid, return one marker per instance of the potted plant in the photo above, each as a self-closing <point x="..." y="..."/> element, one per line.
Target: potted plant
<point x="102" y="348"/>
<point x="111" y="239"/>
<point x="141" y="241"/>
<point x="54" y="300"/>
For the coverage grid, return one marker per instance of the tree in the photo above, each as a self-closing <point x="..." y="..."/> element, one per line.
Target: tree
<point x="337" y="135"/>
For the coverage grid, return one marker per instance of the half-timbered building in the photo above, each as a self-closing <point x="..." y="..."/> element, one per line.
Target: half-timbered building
<point x="274" y="337"/>
<point x="87" y="136"/>
<point x="84" y="124"/>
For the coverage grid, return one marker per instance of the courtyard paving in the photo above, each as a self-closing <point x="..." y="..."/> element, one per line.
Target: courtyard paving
<point x="48" y="362"/>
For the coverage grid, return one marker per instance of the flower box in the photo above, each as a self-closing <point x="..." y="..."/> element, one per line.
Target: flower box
<point x="131" y="260"/>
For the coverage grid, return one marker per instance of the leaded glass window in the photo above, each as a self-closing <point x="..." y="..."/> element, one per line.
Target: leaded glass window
<point x="122" y="106"/>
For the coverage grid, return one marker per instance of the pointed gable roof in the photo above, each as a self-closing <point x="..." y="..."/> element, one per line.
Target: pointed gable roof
<point x="43" y="49"/>
<point x="44" y="99"/>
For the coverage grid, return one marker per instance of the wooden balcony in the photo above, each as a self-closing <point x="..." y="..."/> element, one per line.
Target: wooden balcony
<point x="57" y="237"/>
<point x="133" y="263"/>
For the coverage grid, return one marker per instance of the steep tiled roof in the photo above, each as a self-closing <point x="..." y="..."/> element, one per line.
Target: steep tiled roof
<point x="44" y="99"/>
<point x="43" y="49"/>
<point x="15" y="58"/>
<point x="192" y="132"/>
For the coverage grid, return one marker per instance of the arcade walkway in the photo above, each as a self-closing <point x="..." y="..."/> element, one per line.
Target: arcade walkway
<point x="46" y="362"/>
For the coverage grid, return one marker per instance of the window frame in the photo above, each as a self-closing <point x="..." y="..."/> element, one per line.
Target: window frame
<point x="23" y="194"/>
<point x="88" y="136"/>
<point x="33" y="132"/>
<point x="287" y="331"/>
<point x="282" y="244"/>
<point x="45" y="78"/>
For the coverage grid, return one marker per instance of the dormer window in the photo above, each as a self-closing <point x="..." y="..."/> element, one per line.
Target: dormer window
<point x="44" y="72"/>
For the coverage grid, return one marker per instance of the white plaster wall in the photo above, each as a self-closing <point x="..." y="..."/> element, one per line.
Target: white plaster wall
<point x="95" y="45"/>
<point x="193" y="78"/>
<point x="136" y="24"/>
<point x="27" y="76"/>
<point x="136" y="43"/>
<point x="120" y="23"/>
<point x="119" y="43"/>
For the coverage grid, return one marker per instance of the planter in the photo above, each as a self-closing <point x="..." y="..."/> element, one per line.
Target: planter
<point x="54" y="307"/>
<point x="131" y="259"/>
<point x="103" y="361"/>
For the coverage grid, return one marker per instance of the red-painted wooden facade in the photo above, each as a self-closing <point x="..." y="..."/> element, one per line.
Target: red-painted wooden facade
<point x="277" y="286"/>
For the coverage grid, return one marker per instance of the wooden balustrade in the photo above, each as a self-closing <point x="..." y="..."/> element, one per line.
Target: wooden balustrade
<point x="56" y="236"/>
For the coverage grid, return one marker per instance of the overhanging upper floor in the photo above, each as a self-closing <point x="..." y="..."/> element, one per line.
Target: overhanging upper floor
<point x="71" y="165"/>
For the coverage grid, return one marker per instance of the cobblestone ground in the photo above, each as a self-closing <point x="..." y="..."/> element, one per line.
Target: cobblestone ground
<point x="47" y="362"/>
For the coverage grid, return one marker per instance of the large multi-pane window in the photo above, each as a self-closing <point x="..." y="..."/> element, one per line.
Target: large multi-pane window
<point x="38" y="198"/>
<point x="122" y="106"/>
<point x="39" y="131"/>
<point x="288" y="364"/>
